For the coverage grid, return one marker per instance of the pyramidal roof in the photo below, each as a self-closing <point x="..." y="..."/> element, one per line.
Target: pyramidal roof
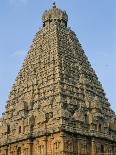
<point x="56" y="88"/>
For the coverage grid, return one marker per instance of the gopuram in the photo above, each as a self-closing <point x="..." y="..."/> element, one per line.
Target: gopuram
<point x="57" y="105"/>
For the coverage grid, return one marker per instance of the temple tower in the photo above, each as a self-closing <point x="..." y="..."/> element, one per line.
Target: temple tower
<point x="57" y="105"/>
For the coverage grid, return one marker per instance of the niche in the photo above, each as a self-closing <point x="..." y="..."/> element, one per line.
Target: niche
<point x="102" y="149"/>
<point x="19" y="129"/>
<point x="99" y="127"/>
<point x="19" y="151"/>
<point x="8" y="129"/>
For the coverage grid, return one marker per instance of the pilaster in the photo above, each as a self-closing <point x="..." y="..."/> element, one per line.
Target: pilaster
<point x="93" y="152"/>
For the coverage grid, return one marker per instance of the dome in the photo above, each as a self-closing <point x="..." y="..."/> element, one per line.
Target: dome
<point x="55" y="14"/>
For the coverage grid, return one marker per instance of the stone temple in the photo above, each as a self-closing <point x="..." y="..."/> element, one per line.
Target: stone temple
<point x="57" y="105"/>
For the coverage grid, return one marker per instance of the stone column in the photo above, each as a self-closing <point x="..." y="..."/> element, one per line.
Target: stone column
<point x="79" y="147"/>
<point x="86" y="151"/>
<point x="45" y="145"/>
<point x="106" y="149"/>
<point x="93" y="147"/>
<point x="30" y="151"/>
<point x="114" y="148"/>
<point x="6" y="150"/>
<point x="62" y="135"/>
<point x="15" y="150"/>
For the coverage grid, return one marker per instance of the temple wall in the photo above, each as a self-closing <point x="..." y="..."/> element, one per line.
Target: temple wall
<point x="60" y="144"/>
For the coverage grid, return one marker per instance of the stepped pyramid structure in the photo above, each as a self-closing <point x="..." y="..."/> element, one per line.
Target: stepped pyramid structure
<point x="57" y="105"/>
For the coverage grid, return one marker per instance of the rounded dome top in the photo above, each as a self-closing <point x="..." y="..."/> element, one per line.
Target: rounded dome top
<point x="54" y="14"/>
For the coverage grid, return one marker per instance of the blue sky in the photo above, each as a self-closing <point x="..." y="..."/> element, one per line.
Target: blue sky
<point x="94" y="22"/>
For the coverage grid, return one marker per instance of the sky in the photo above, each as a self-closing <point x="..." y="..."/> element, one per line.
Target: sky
<point x="94" y="22"/>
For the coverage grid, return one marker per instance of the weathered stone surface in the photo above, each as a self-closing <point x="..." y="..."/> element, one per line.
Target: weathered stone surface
<point x="57" y="105"/>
